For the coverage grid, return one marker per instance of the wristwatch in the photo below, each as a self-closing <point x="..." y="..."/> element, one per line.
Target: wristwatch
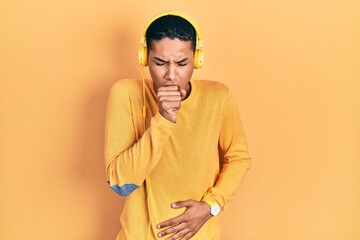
<point x="214" y="207"/>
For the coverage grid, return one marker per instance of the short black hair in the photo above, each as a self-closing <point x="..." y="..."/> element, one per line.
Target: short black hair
<point x="171" y="26"/>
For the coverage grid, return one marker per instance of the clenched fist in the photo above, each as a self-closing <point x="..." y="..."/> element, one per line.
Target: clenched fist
<point x="169" y="98"/>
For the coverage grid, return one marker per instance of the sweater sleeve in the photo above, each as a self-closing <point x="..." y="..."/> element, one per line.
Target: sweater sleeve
<point x="234" y="154"/>
<point x="129" y="158"/>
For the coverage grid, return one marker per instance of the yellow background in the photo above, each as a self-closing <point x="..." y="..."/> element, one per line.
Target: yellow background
<point x="293" y="65"/>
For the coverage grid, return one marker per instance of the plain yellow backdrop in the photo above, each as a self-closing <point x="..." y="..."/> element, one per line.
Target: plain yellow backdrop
<point x="294" y="67"/>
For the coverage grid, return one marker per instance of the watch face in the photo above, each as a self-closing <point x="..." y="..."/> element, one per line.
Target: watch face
<point x="215" y="210"/>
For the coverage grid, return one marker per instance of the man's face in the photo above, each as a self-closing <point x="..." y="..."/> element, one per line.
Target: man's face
<point x="171" y="62"/>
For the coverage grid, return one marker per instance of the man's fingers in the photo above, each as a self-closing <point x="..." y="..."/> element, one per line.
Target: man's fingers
<point x="169" y="99"/>
<point x="188" y="223"/>
<point x="171" y="222"/>
<point x="173" y="229"/>
<point x="168" y="93"/>
<point x="178" y="235"/>
<point x="170" y="105"/>
<point x="187" y="236"/>
<point x="183" y="93"/>
<point x="169" y="88"/>
<point x="181" y="204"/>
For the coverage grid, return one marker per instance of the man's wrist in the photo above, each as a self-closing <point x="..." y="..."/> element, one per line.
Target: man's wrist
<point x="214" y="207"/>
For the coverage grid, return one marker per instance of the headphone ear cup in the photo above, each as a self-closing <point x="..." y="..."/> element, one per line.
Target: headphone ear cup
<point x="198" y="58"/>
<point x="143" y="56"/>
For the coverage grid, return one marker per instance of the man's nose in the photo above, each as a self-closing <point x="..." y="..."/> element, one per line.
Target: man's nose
<point x="171" y="71"/>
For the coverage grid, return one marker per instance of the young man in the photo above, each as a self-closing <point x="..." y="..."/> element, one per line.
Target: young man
<point x="183" y="167"/>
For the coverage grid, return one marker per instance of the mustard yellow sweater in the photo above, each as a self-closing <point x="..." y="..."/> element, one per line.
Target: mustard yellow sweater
<point x="202" y="156"/>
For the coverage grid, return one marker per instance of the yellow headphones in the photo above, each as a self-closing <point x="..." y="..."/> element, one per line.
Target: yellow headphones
<point x="199" y="53"/>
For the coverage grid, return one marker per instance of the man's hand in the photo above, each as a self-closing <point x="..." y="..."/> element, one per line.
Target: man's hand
<point x="187" y="224"/>
<point x="169" y="98"/>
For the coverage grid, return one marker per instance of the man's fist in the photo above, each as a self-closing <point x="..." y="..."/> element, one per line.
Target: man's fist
<point x="169" y="98"/>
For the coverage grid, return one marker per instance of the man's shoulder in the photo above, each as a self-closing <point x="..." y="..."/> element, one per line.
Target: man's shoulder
<point x="210" y="86"/>
<point x="126" y="85"/>
<point x="127" y="82"/>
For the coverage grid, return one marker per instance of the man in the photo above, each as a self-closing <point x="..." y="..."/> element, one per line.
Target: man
<point x="179" y="171"/>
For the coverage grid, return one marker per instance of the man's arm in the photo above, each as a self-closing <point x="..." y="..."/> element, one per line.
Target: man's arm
<point x="130" y="160"/>
<point x="236" y="159"/>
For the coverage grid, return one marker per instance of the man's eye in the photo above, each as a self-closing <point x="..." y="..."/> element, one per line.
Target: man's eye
<point x="182" y="64"/>
<point x="160" y="64"/>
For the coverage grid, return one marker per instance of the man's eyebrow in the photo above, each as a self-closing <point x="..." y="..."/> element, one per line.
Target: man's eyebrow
<point x="160" y="60"/>
<point x="182" y="60"/>
<point x="163" y="61"/>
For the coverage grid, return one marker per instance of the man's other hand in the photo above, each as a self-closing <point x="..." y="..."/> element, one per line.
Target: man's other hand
<point x="188" y="223"/>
